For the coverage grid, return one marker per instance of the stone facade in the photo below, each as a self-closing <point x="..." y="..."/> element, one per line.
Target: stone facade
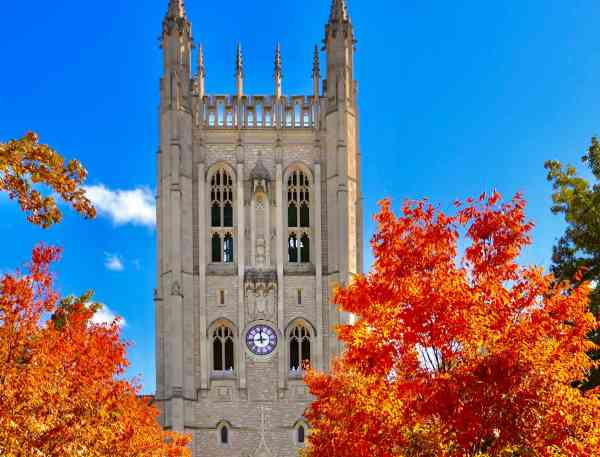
<point x="259" y="217"/>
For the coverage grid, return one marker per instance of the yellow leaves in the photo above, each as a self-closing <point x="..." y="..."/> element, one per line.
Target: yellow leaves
<point x="25" y="164"/>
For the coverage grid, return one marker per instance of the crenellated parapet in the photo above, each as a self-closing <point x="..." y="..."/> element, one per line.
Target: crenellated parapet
<point x="258" y="112"/>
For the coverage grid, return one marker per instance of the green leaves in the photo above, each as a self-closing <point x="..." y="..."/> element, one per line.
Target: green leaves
<point x="576" y="256"/>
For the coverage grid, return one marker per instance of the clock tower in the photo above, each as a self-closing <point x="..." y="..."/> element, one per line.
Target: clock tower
<point x="259" y="217"/>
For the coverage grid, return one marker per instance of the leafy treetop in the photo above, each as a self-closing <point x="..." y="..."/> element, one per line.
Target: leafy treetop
<point x="456" y="352"/>
<point x="26" y="163"/>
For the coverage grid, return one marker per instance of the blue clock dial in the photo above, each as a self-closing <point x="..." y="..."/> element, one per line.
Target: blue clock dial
<point x="261" y="339"/>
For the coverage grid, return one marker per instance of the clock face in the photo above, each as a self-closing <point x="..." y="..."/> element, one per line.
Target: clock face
<point x="261" y="339"/>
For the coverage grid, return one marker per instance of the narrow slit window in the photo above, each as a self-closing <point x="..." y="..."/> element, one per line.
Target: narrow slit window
<point x="299" y="296"/>
<point x="301" y="434"/>
<point x="221" y="297"/>
<point x="224" y="435"/>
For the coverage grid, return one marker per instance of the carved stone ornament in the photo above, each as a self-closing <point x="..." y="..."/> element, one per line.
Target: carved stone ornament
<point x="261" y="294"/>
<point x="176" y="289"/>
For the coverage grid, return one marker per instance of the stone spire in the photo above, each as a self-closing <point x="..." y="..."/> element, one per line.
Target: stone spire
<point x="176" y="8"/>
<point x="339" y="11"/>
<point x="316" y="73"/>
<point x="340" y="46"/>
<point x="239" y="71"/>
<point x="278" y="71"/>
<point x="201" y="72"/>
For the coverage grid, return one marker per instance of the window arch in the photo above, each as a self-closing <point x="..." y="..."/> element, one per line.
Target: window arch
<point x="298" y="215"/>
<point x="223" y="350"/>
<point x="300" y="434"/>
<point x="301" y="431"/>
<point x="224" y="434"/>
<point x="299" y="337"/>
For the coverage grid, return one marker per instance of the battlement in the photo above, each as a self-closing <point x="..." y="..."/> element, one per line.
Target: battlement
<point x="258" y="112"/>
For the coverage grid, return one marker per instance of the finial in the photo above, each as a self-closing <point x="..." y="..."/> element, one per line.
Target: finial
<point x="278" y="67"/>
<point x="339" y="11"/>
<point x="316" y="70"/>
<point x="239" y="71"/>
<point x="176" y="8"/>
<point x="201" y="69"/>
<point x="239" y="62"/>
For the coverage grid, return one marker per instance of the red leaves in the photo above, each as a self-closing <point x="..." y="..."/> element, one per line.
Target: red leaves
<point x="60" y="392"/>
<point x="451" y="357"/>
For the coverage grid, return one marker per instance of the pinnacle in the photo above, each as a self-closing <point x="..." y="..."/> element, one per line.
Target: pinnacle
<point x="200" y="59"/>
<point x="278" y="66"/>
<point x="339" y="11"/>
<point x="176" y="8"/>
<point x="239" y="61"/>
<point x="316" y="64"/>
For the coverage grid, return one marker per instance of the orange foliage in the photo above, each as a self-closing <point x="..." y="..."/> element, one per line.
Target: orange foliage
<point x="60" y="392"/>
<point x="456" y="350"/>
<point x="25" y="163"/>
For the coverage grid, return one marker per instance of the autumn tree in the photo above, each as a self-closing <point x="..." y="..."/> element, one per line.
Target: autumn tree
<point x="576" y="256"/>
<point x="62" y="386"/>
<point x="455" y="349"/>
<point x="26" y="165"/>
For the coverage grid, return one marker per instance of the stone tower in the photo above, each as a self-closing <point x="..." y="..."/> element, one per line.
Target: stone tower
<point x="258" y="218"/>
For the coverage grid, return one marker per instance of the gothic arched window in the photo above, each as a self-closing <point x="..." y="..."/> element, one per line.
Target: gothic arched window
<point x="224" y="434"/>
<point x="221" y="199"/>
<point x="298" y="201"/>
<point x="221" y="216"/>
<point x="299" y="341"/>
<point x="223" y="350"/>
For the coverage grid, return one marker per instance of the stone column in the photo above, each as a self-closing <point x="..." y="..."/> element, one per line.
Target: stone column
<point x="241" y="235"/>
<point x="175" y="308"/>
<point x="202" y="245"/>
<point x="318" y="241"/>
<point x="280" y="262"/>
<point x="252" y="229"/>
<point x="267" y="229"/>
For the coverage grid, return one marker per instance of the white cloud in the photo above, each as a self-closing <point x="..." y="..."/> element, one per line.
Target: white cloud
<point x="135" y="206"/>
<point x="106" y="316"/>
<point x="113" y="262"/>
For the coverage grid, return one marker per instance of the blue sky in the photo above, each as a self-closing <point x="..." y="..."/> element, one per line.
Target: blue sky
<point x="455" y="98"/>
